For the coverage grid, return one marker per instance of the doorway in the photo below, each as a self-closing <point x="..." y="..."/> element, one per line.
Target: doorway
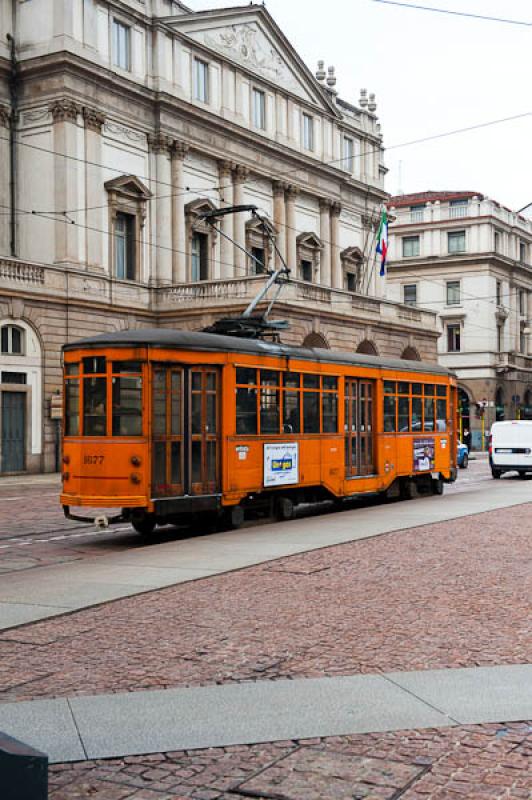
<point x="13" y="431"/>
<point x="359" y="443"/>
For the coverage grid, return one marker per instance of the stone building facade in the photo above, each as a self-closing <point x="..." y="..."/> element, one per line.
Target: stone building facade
<point x="470" y="259"/>
<point x="121" y="122"/>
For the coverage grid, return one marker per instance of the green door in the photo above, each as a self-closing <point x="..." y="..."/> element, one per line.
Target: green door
<point x="13" y="431"/>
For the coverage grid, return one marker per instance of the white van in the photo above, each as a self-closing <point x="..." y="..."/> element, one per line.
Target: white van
<point x="510" y="447"/>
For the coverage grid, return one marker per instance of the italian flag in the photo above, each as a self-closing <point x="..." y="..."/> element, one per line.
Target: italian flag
<point x="382" y="241"/>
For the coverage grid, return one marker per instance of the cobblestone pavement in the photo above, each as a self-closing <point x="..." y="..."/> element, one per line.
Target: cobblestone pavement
<point x="451" y="594"/>
<point x="481" y="762"/>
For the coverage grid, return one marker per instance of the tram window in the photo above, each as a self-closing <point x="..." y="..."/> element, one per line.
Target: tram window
<point x="390" y="387"/>
<point x="292" y="380"/>
<point x="441" y="391"/>
<point x="330" y="384"/>
<point x="246" y="376"/>
<point x="428" y="390"/>
<point x="417" y="411"/>
<point x="127" y="406"/>
<point x="428" y="423"/>
<point x="403" y="414"/>
<point x="94" y="406"/>
<point x="311" y="381"/>
<point x="270" y="414"/>
<point x="211" y="381"/>
<point x="441" y="415"/>
<point x="195" y="411"/>
<point x="175" y="463"/>
<point x="71" y="369"/>
<point x="403" y="388"/>
<point x="196" y="381"/>
<point x="175" y="422"/>
<point x="159" y="402"/>
<point x="389" y="414"/>
<point x="211" y="461"/>
<point x="196" y="461"/>
<point x="268" y="377"/>
<point x="94" y="365"/>
<point x="417" y="388"/>
<point x="329" y="407"/>
<point x="128" y="367"/>
<point x="246" y="411"/>
<point x="292" y="412"/>
<point x="72" y="408"/>
<point x="159" y="463"/>
<point x="211" y="413"/>
<point x="311" y="412"/>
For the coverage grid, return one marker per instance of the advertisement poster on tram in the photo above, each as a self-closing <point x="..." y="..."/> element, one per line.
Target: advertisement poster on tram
<point x="281" y="464"/>
<point x="424" y="455"/>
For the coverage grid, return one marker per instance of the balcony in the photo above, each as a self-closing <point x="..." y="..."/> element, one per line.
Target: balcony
<point x="456" y="212"/>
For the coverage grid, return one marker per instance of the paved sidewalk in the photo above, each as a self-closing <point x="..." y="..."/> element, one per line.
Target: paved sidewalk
<point x="70" y="587"/>
<point x="110" y="726"/>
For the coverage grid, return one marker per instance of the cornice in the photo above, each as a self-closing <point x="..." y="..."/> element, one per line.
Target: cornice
<point x="445" y="223"/>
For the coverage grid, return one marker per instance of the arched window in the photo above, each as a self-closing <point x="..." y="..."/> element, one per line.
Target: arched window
<point x="12" y="338"/>
<point x="410" y="354"/>
<point x="367" y="348"/>
<point x="315" y="340"/>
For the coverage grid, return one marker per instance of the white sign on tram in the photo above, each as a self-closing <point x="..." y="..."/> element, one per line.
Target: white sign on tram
<point x="281" y="464"/>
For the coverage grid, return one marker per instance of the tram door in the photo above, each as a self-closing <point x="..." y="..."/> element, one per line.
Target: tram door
<point x="185" y="430"/>
<point x="358" y="424"/>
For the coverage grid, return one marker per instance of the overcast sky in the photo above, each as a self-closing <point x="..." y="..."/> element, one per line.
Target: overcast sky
<point x="432" y="74"/>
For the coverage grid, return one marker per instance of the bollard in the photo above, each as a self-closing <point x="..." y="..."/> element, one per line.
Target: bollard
<point x="23" y="771"/>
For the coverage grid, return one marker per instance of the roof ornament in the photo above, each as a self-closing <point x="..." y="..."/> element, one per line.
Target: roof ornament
<point x="372" y="105"/>
<point x="363" y="101"/>
<point x="320" y="72"/>
<point x="331" y="80"/>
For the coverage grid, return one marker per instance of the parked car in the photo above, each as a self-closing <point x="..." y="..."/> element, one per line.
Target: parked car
<point x="510" y="447"/>
<point x="462" y="456"/>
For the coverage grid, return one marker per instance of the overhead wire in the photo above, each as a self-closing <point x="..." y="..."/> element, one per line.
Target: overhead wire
<point x="450" y="12"/>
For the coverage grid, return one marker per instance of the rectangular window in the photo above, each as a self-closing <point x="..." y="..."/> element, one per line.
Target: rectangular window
<point x="497" y="241"/>
<point x="311" y="412"/>
<point x="410" y="246"/>
<point x="200" y="257"/>
<point x="121" y="45"/>
<point x="350" y="282"/>
<point x="127" y="398"/>
<point x="500" y="331"/>
<point x="258" y="265"/>
<point x="522" y="302"/>
<point x="308" y="132"/>
<point x="403" y="414"/>
<point x="453" y="293"/>
<point x="349" y="154"/>
<point x="410" y="294"/>
<point x="270" y="408"/>
<point x="306" y="271"/>
<point x="428" y="419"/>
<point x="13" y="377"/>
<point x="417" y="213"/>
<point x="329" y="405"/>
<point x="456" y="242"/>
<point x="453" y="338"/>
<point x="246" y="410"/>
<point x="94" y="406"/>
<point x="522" y="338"/>
<point x="72" y="408"/>
<point x="201" y="80"/>
<point x="522" y="252"/>
<point x="124" y="230"/>
<point x="259" y="109"/>
<point x="389" y="413"/>
<point x="498" y="293"/>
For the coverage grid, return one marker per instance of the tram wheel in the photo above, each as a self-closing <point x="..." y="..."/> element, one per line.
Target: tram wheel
<point x="495" y="473"/>
<point x="231" y="518"/>
<point x="144" y="523"/>
<point x="408" y="489"/>
<point x="285" y="509"/>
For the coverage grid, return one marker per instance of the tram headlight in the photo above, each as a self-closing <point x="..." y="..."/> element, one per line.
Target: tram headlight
<point x="136" y="461"/>
<point x="135" y="478"/>
<point x="66" y="459"/>
<point x="66" y="476"/>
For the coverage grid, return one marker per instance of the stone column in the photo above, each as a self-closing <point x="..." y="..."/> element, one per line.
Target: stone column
<point x="227" y="254"/>
<point x="161" y="145"/>
<point x="65" y="116"/>
<point x="179" y="234"/>
<point x="336" y="263"/>
<point x="291" y="232"/>
<point x="279" y="220"/>
<point x="96" y="211"/>
<point x="240" y="175"/>
<point x="325" y="233"/>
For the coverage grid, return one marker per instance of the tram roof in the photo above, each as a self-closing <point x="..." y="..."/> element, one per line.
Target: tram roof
<point x="215" y="343"/>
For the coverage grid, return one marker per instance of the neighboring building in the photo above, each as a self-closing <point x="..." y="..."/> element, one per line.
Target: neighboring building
<point x="470" y="259"/>
<point x="121" y="121"/>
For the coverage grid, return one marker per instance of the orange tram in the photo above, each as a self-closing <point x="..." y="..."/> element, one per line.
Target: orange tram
<point x="164" y="424"/>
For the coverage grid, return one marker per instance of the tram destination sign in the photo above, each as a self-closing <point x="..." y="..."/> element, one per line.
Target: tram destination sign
<point x="281" y="464"/>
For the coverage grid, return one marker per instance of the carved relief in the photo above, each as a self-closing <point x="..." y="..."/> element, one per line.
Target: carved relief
<point x="250" y="47"/>
<point x="93" y="119"/>
<point x="36" y="115"/>
<point x="121" y="131"/>
<point x="4" y="117"/>
<point x="160" y="142"/>
<point x="64" y="111"/>
<point x="179" y="149"/>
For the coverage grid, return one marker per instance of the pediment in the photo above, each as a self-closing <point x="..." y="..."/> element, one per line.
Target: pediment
<point x="309" y="240"/>
<point x="249" y="37"/>
<point x="128" y="185"/>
